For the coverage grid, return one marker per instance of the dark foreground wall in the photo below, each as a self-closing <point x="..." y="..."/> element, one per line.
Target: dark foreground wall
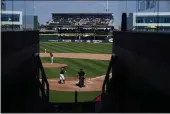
<point x="19" y="89"/>
<point x="146" y="73"/>
<point x="142" y="68"/>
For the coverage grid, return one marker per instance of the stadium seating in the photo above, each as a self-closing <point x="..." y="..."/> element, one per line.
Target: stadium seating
<point x="81" y="21"/>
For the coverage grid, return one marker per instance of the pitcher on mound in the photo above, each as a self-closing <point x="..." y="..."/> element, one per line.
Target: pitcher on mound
<point x="62" y="78"/>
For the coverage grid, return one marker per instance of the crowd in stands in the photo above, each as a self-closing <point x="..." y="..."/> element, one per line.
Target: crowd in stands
<point x="80" y="30"/>
<point x="83" y="31"/>
<point x="82" y="21"/>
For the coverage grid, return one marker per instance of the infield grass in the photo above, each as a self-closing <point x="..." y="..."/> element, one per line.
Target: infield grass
<point x="64" y="47"/>
<point x="65" y="96"/>
<point x="92" y="68"/>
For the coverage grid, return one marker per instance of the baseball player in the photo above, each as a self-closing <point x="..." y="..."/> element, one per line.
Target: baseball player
<point x="62" y="78"/>
<point x="81" y="74"/>
<point x="45" y="51"/>
<point x="52" y="58"/>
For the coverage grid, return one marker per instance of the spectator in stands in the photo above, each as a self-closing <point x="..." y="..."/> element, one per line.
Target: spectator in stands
<point x="82" y="21"/>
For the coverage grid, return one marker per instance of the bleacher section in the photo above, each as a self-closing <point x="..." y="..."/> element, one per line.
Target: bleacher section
<point x="81" y="19"/>
<point x="94" y="26"/>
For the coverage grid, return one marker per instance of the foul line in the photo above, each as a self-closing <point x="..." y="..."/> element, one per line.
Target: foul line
<point x="52" y="80"/>
<point x="96" y="78"/>
<point x="73" y="82"/>
<point x="89" y="81"/>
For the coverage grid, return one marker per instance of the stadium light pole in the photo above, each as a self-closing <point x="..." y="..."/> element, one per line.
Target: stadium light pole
<point x="34" y="8"/>
<point x="25" y="13"/>
<point x="77" y="29"/>
<point x="168" y="4"/>
<point x="157" y="16"/>
<point x="12" y="14"/>
<point x="107" y="6"/>
<point x="94" y="30"/>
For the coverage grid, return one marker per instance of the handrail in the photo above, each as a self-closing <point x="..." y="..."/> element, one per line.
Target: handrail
<point x="106" y="80"/>
<point x="43" y="76"/>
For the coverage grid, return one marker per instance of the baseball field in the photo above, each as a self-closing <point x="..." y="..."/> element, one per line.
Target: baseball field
<point x="93" y="58"/>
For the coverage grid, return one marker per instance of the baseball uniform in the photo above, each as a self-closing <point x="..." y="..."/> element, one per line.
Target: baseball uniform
<point x="81" y="78"/>
<point x="62" y="78"/>
<point x="52" y="58"/>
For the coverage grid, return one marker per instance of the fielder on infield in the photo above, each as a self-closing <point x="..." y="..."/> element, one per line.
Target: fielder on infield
<point x="62" y="78"/>
<point x="52" y="58"/>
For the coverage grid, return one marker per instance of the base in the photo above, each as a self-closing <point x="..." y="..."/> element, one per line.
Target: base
<point x="77" y="84"/>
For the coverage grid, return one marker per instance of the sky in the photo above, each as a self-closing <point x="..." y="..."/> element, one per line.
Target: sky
<point x="44" y="8"/>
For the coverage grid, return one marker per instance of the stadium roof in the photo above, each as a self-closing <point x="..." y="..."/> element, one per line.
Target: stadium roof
<point x="82" y="13"/>
<point x="68" y="26"/>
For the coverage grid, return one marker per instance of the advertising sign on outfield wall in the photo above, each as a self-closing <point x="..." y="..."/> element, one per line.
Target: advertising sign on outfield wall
<point x="56" y="39"/>
<point x="78" y="41"/>
<point x="110" y="40"/>
<point x="97" y="41"/>
<point x="87" y="41"/>
<point x="66" y="40"/>
<point x="53" y="40"/>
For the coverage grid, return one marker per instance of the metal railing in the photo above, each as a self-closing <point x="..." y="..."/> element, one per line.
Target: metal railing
<point x="107" y="77"/>
<point x="43" y="84"/>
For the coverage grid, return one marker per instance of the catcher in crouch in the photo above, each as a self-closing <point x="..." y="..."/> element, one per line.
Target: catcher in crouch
<point x="62" y="78"/>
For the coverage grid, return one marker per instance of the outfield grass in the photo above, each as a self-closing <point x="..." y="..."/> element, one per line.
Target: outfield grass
<point x="74" y="34"/>
<point x="64" y="96"/>
<point x="61" y="47"/>
<point x="92" y="68"/>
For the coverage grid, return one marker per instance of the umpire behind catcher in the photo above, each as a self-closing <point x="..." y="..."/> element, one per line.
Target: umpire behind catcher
<point x="81" y="74"/>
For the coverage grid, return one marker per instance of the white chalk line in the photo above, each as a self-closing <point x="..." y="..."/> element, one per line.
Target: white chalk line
<point x="52" y="80"/>
<point x="96" y="78"/>
<point x="99" y="77"/>
<point x="69" y="83"/>
<point x="75" y="87"/>
<point x="74" y="82"/>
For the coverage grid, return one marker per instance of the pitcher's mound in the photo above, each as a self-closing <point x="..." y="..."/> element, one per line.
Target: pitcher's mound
<point x="54" y="65"/>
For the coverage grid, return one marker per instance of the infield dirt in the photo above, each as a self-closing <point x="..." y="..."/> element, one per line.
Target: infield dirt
<point x="91" y="84"/>
<point x="54" y="65"/>
<point x="79" y="56"/>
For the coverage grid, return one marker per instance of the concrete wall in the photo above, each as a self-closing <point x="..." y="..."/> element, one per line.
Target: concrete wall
<point x="140" y="79"/>
<point x="28" y="22"/>
<point x="130" y="21"/>
<point x="145" y="66"/>
<point x="19" y="87"/>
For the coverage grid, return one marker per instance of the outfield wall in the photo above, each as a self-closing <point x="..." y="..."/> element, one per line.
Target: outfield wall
<point x="90" y="39"/>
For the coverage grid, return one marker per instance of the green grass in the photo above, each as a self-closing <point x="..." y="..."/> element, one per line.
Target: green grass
<point x="67" y="34"/>
<point x="61" y="47"/>
<point x="74" y="34"/>
<point x="91" y="67"/>
<point x="64" y="96"/>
